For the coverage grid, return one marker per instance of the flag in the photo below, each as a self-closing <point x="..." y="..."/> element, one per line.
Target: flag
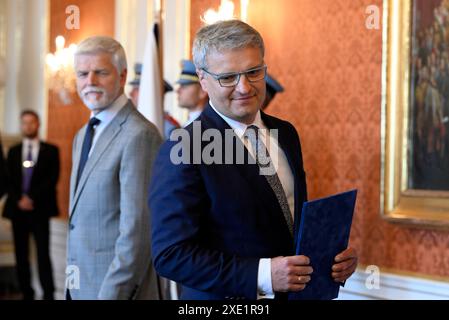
<point x="150" y="94"/>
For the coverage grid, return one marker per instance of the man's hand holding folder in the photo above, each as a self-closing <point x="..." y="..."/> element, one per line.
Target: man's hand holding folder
<point x="290" y="273"/>
<point x="346" y="263"/>
<point x="294" y="272"/>
<point x="323" y="237"/>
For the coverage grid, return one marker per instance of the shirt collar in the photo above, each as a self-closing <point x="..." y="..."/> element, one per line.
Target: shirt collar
<point x="107" y="114"/>
<point x="33" y="142"/>
<point x="240" y="127"/>
<point x="194" y="114"/>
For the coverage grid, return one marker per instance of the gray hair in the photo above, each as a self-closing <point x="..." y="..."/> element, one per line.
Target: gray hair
<point x="100" y="44"/>
<point x="224" y="35"/>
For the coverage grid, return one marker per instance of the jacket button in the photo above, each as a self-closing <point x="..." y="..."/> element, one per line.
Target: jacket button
<point x="72" y="227"/>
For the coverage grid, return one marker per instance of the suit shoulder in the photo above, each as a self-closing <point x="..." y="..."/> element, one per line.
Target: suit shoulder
<point x="138" y="124"/>
<point x="281" y="123"/>
<point x="15" y="149"/>
<point x="50" y="146"/>
<point x="79" y="131"/>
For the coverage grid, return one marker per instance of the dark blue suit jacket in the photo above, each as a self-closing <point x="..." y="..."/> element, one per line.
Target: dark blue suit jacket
<point x="212" y="223"/>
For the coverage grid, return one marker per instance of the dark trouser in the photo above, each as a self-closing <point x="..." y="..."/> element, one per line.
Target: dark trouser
<point x="68" y="297"/>
<point x="39" y="227"/>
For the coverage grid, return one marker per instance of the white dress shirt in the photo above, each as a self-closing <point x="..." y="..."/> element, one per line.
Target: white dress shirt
<point x="284" y="172"/>
<point x="106" y="116"/>
<point x="192" y="116"/>
<point x="35" y="147"/>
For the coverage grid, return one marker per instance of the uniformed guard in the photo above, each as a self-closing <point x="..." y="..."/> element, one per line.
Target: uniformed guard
<point x="273" y="87"/>
<point x="170" y="123"/>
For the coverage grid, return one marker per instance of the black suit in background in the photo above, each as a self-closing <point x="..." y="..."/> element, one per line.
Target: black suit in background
<point x="3" y="180"/>
<point x="43" y="193"/>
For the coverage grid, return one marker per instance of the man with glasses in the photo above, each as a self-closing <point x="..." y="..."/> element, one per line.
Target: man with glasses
<point x="224" y="230"/>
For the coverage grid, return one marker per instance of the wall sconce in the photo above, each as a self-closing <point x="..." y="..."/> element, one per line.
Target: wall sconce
<point x="60" y="70"/>
<point x="226" y="12"/>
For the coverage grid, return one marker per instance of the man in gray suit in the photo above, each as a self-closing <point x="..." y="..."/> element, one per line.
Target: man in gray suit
<point x="108" y="246"/>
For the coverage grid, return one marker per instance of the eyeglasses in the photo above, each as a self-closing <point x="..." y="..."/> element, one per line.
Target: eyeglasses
<point x="232" y="79"/>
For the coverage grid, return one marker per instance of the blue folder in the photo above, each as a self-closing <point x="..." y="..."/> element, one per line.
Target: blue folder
<point x="322" y="234"/>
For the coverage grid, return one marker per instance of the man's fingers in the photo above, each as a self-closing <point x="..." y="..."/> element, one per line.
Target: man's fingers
<point x="343" y="274"/>
<point x="344" y="265"/>
<point x="297" y="287"/>
<point x="298" y="271"/>
<point x="349" y="253"/>
<point x="298" y="260"/>
<point x="343" y="279"/>
<point x="301" y="279"/>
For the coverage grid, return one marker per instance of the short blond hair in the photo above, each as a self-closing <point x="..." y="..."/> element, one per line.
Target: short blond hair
<point x="101" y="44"/>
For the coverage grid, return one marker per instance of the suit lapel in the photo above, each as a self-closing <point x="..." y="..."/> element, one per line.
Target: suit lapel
<point x="39" y="161"/>
<point x="76" y="160"/>
<point x="285" y="145"/>
<point x="103" y="142"/>
<point x="18" y="160"/>
<point x="291" y="154"/>
<point x="251" y="172"/>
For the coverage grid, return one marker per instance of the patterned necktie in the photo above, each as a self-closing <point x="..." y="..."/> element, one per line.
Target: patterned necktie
<point x="87" y="144"/>
<point x="263" y="159"/>
<point x="28" y="167"/>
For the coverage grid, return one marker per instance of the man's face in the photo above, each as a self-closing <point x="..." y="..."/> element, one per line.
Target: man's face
<point x="189" y="95"/>
<point x="98" y="81"/>
<point x="242" y="101"/>
<point x="29" y="125"/>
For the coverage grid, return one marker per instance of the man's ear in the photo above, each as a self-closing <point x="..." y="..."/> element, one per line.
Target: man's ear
<point x="203" y="94"/>
<point x="123" y="77"/>
<point x="199" y="73"/>
<point x="202" y="79"/>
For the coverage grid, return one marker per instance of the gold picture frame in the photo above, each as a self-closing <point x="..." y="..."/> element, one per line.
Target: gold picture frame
<point x="399" y="204"/>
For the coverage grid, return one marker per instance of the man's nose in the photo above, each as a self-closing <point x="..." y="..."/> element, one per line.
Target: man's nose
<point x="91" y="78"/>
<point x="244" y="86"/>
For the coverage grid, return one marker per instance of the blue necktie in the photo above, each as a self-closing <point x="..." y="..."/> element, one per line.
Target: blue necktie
<point x="28" y="167"/>
<point x="87" y="144"/>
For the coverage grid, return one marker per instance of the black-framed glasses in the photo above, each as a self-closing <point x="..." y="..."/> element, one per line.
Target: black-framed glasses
<point x="232" y="79"/>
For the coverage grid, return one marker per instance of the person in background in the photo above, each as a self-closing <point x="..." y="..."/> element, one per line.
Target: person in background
<point x="108" y="243"/>
<point x="33" y="171"/>
<point x="273" y="87"/>
<point x="190" y="94"/>
<point x="170" y="123"/>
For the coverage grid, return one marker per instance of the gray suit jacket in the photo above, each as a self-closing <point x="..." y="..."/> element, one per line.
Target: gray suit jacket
<point x="108" y="243"/>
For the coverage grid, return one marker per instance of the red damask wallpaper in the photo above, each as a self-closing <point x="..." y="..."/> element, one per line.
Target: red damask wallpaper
<point x="330" y="66"/>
